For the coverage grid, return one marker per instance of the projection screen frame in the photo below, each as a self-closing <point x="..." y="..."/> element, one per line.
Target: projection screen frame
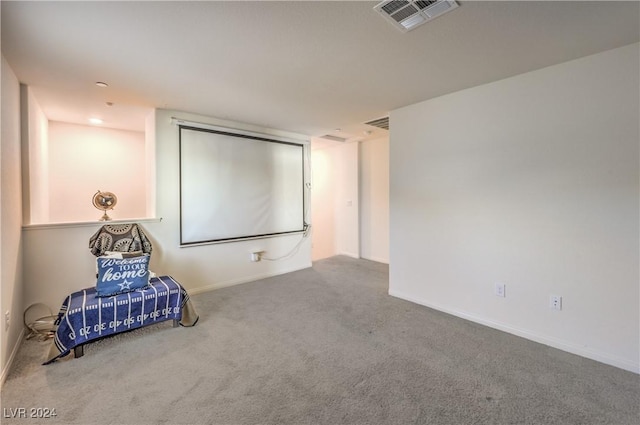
<point x="244" y="135"/>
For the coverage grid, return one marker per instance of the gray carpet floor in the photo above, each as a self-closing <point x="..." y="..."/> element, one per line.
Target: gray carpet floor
<point x="325" y="345"/>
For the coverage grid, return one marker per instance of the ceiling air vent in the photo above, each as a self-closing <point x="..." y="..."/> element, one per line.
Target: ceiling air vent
<point x="380" y="123"/>
<point x="334" y="138"/>
<point x="409" y="14"/>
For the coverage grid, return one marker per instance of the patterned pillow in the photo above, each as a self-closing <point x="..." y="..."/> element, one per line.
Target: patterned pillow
<point x="120" y="275"/>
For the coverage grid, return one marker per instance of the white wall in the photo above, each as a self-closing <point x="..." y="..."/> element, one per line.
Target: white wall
<point x="531" y="181"/>
<point x="350" y="200"/>
<point x="347" y="206"/>
<point x="35" y="159"/>
<point x="84" y="159"/>
<point x="335" y="201"/>
<point x="57" y="261"/>
<point x="374" y="199"/>
<point x="323" y="203"/>
<point x="10" y="219"/>
<point x="150" y="163"/>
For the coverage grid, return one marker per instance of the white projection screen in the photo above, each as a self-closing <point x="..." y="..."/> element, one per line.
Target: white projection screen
<point x="238" y="186"/>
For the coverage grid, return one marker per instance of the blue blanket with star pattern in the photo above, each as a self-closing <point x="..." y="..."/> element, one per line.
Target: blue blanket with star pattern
<point x="85" y="317"/>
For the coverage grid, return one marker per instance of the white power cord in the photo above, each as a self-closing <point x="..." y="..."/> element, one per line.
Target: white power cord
<point x="294" y="250"/>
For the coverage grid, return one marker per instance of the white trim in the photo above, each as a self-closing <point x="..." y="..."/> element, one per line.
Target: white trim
<point x="377" y="259"/>
<point x="88" y="223"/>
<point x="233" y="282"/>
<point x="183" y="122"/>
<point x="7" y="369"/>
<point x="592" y="354"/>
<point x="241" y="239"/>
<point x="349" y="254"/>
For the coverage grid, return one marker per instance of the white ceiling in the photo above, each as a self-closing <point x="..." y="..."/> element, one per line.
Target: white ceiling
<point x="305" y="67"/>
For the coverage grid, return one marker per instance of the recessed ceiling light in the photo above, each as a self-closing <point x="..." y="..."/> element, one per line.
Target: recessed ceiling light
<point x="95" y="121"/>
<point x="101" y="84"/>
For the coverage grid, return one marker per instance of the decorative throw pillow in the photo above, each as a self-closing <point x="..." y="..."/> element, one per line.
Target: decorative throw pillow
<point x="118" y="254"/>
<point x="120" y="275"/>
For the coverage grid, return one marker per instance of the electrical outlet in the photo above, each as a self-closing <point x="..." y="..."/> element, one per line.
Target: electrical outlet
<point x="500" y="289"/>
<point x="7" y="320"/>
<point x="555" y="302"/>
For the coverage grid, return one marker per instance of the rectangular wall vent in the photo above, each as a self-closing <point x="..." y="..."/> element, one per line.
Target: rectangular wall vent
<point x="334" y="138"/>
<point x="380" y="123"/>
<point x="409" y="14"/>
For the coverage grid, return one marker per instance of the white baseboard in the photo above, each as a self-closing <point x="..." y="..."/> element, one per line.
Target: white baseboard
<point x="596" y="355"/>
<point x="377" y="259"/>
<point x="349" y="254"/>
<point x="7" y="368"/>
<point x="233" y="282"/>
